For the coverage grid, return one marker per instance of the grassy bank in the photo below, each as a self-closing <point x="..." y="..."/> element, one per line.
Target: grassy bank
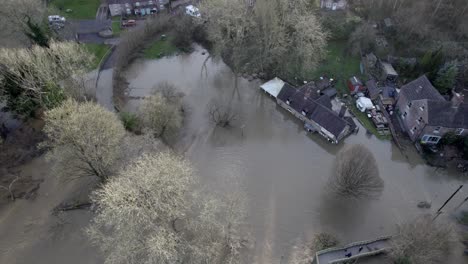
<point x="160" y="48"/>
<point x="98" y="50"/>
<point x="81" y="9"/>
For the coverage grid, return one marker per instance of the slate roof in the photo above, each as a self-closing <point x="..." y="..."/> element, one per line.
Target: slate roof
<point x="442" y="113"/>
<point x="316" y="110"/>
<point x="372" y="88"/>
<point x="421" y="88"/>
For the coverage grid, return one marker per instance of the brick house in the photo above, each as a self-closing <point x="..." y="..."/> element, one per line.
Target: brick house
<point x="314" y="109"/>
<point x="427" y="116"/>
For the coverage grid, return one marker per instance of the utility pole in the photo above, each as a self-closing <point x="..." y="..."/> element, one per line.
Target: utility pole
<point x="439" y="212"/>
<point x="458" y="206"/>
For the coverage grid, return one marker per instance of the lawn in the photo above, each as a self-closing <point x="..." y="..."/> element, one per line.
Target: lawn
<point x="338" y="65"/>
<point x="160" y="49"/>
<point x="98" y="50"/>
<point x="116" y="28"/>
<point x="366" y="122"/>
<point x="81" y="9"/>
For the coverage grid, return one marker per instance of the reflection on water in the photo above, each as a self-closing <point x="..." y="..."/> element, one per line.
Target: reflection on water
<point x="284" y="169"/>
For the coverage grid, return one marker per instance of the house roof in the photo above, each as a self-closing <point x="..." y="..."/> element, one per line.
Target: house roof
<point x="421" y="88"/>
<point x="355" y="81"/>
<point x="372" y="88"/>
<point x="388" y="92"/>
<point x="444" y="114"/>
<point x="388" y="68"/>
<point x="316" y="110"/>
<point x="273" y="87"/>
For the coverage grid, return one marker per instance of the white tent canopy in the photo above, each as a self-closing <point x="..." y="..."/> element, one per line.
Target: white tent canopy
<point x="273" y="87"/>
<point x="364" y="103"/>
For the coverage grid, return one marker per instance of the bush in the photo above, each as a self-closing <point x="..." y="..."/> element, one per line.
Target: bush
<point x="130" y="121"/>
<point x="323" y="241"/>
<point x="183" y="32"/>
<point x="451" y="138"/>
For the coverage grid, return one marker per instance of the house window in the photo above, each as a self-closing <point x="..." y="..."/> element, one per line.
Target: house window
<point x="430" y="139"/>
<point x="304" y="112"/>
<point x="437" y="129"/>
<point x="419" y="120"/>
<point x="421" y="108"/>
<point x="288" y="101"/>
<point x="413" y="130"/>
<point x="410" y="104"/>
<point x="459" y="131"/>
<point x="404" y="114"/>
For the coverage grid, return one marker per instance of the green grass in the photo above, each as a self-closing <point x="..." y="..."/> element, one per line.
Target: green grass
<point x="341" y="66"/>
<point x="338" y="65"/>
<point x="116" y="28"/>
<point x="98" y="50"/>
<point x="81" y="9"/>
<point x="367" y="122"/>
<point x="160" y="48"/>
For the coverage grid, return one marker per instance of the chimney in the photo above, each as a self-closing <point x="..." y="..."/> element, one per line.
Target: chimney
<point x="457" y="99"/>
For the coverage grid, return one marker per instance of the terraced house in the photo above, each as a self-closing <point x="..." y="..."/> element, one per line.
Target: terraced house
<point x="427" y="116"/>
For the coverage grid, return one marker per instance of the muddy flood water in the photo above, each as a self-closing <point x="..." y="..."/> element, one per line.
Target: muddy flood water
<point x="284" y="171"/>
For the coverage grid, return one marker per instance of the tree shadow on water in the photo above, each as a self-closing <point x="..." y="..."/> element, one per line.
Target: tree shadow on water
<point x="344" y="216"/>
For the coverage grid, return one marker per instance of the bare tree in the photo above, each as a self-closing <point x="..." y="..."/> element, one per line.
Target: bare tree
<point x="163" y="117"/>
<point x="85" y="139"/>
<point x="42" y="77"/>
<point x="152" y="213"/>
<point x="304" y="253"/>
<point x="281" y="36"/>
<point x="13" y="16"/>
<point x="362" y="40"/>
<point x="356" y="173"/>
<point x="221" y="114"/>
<point x="9" y="187"/>
<point x="421" y="241"/>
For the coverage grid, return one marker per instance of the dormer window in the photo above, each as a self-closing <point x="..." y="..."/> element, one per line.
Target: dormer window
<point x="437" y="129"/>
<point x="288" y="102"/>
<point x="419" y="120"/>
<point x="421" y="108"/>
<point x="410" y="104"/>
<point x="304" y="112"/>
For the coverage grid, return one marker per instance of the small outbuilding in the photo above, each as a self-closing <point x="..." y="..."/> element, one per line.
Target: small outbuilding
<point x="273" y="87"/>
<point x="355" y="85"/>
<point x="388" y="72"/>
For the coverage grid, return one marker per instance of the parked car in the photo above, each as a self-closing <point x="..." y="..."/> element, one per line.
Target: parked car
<point x="56" y="19"/>
<point x="128" y="23"/>
<point x="192" y="11"/>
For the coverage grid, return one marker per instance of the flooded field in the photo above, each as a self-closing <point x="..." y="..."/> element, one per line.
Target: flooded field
<point x="284" y="171"/>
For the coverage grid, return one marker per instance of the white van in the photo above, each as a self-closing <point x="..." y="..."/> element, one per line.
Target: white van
<point x="192" y="11"/>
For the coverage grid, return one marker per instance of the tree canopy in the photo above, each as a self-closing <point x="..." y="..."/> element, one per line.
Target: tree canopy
<point x="277" y="37"/>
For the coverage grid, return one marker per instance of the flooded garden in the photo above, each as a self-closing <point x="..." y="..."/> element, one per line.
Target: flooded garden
<point x="283" y="169"/>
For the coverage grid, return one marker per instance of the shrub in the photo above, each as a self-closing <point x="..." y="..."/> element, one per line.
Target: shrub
<point x="130" y="121"/>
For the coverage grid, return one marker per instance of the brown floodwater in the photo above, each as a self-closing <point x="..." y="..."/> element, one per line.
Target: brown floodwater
<point x="283" y="169"/>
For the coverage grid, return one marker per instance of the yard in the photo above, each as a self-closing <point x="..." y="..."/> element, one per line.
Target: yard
<point x="116" y="29"/>
<point x="98" y="50"/>
<point x="80" y="9"/>
<point x="340" y="66"/>
<point x="160" y="48"/>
